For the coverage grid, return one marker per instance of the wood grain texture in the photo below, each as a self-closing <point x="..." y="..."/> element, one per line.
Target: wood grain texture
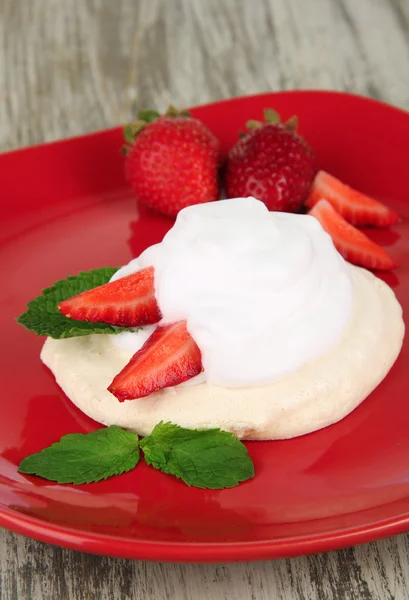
<point x="31" y="570"/>
<point x="82" y="65"/>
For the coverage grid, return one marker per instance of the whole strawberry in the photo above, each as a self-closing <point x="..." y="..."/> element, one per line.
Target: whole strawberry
<point x="171" y="161"/>
<point x="272" y="163"/>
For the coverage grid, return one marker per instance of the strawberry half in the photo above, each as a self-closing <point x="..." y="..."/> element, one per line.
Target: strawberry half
<point x="354" y="245"/>
<point x="355" y="207"/>
<point x="126" y="302"/>
<point x="169" y="357"/>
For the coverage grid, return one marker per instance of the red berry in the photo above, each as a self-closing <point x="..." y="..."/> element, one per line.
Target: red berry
<point x="272" y="163"/>
<point x="173" y="163"/>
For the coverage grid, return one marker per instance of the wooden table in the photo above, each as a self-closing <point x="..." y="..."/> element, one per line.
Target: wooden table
<point x="75" y="66"/>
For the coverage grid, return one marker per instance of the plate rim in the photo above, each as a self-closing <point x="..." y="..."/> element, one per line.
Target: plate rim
<point x="304" y="91"/>
<point x="201" y="552"/>
<point x="204" y="552"/>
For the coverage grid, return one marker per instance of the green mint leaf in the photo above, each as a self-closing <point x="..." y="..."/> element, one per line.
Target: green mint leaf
<point x="208" y="458"/>
<point x="43" y="317"/>
<point x="84" y="458"/>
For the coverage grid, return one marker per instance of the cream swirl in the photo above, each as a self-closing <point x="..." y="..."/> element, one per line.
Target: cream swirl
<point x="263" y="293"/>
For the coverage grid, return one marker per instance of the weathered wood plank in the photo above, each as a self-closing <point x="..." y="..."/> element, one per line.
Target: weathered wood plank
<point x="34" y="571"/>
<point x="66" y="69"/>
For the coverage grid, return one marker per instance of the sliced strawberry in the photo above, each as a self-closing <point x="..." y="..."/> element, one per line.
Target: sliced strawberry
<point x="126" y="302"/>
<point x="354" y="245"/>
<point x="355" y="207"/>
<point x="169" y="357"/>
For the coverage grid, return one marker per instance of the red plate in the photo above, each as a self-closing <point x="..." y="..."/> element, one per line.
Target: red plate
<point x="67" y="207"/>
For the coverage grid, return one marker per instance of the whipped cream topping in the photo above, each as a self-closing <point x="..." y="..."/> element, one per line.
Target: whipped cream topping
<point x="263" y="293"/>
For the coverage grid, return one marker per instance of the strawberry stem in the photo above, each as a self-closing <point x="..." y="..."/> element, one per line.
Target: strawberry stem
<point x="292" y="123"/>
<point x="146" y="116"/>
<point x="271" y="116"/>
<point x="172" y="111"/>
<point x="128" y="134"/>
<point x="252" y="124"/>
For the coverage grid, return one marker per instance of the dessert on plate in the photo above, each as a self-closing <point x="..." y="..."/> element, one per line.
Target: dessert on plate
<point x="242" y="319"/>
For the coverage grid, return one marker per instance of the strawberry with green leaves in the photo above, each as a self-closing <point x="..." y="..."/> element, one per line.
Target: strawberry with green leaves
<point x="271" y="162"/>
<point x="171" y="160"/>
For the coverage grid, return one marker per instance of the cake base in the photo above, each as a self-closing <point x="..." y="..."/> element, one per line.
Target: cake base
<point x="318" y="394"/>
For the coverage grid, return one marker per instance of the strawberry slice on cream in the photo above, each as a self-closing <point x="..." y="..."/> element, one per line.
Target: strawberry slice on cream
<point x="128" y="302"/>
<point x="211" y="286"/>
<point x="262" y="329"/>
<point x="169" y="357"/>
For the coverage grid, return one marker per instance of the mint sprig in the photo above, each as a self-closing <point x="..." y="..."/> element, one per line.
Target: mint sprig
<point x="84" y="458"/>
<point x="209" y="458"/>
<point x="43" y="317"/>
